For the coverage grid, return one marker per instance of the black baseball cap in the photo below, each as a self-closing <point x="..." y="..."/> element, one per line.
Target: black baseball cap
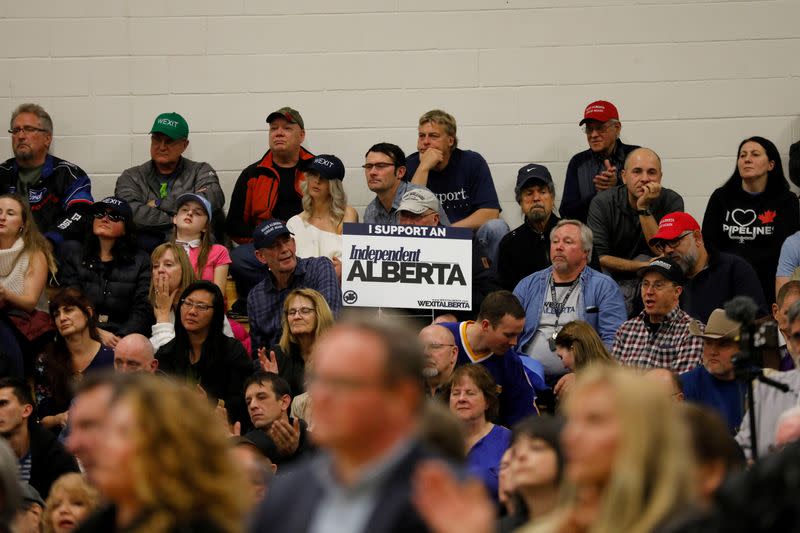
<point x="327" y="166"/>
<point x="115" y="205"/>
<point x="533" y="172"/>
<point x="269" y="230"/>
<point x="667" y="268"/>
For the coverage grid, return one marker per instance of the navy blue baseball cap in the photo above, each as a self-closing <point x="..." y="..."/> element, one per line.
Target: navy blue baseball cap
<point x="115" y="205"/>
<point x="327" y="166"/>
<point x="269" y="230"/>
<point x="533" y="172"/>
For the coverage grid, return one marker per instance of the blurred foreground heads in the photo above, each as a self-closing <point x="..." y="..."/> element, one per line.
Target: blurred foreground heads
<point x="161" y="465"/>
<point x="626" y="466"/>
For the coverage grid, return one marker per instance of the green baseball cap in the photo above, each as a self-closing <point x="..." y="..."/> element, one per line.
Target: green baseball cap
<point x="172" y="125"/>
<point x="289" y="114"/>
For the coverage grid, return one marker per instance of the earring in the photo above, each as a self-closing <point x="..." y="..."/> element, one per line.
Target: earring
<point x="20" y="230"/>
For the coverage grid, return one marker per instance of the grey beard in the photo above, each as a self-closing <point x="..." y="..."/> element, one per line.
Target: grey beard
<point x="536" y="215"/>
<point x="430" y="372"/>
<point x="687" y="262"/>
<point x="23" y="156"/>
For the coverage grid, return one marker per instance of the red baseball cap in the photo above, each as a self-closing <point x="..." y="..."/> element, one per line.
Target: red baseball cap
<point x="672" y="225"/>
<point x="600" y="111"/>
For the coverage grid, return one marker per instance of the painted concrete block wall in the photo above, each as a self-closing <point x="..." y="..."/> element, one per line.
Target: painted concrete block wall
<point x="691" y="78"/>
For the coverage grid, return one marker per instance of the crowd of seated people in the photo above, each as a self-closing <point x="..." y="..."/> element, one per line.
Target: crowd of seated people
<point x="168" y="366"/>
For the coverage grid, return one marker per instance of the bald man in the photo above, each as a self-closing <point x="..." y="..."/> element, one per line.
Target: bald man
<point x="666" y="380"/>
<point x="134" y="353"/>
<point x="440" y="357"/>
<point x="624" y="218"/>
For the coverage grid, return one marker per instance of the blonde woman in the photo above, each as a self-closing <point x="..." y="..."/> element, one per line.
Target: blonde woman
<point x="190" y="484"/>
<point x="305" y="317"/>
<point x="318" y="229"/>
<point x="70" y="502"/>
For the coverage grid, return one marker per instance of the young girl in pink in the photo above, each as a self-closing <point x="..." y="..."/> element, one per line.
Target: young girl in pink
<point x="193" y="232"/>
<point x="209" y="261"/>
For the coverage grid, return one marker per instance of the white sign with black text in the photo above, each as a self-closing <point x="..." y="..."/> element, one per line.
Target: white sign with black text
<point x="417" y="267"/>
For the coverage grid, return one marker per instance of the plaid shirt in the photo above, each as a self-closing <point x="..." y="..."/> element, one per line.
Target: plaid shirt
<point x="265" y="301"/>
<point x="671" y="346"/>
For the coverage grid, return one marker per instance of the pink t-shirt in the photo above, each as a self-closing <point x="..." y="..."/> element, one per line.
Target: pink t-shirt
<point x="218" y="255"/>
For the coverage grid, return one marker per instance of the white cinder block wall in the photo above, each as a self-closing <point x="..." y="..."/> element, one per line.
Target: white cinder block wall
<point x="691" y="78"/>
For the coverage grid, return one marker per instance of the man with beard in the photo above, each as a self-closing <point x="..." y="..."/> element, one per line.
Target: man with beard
<point x="441" y="354"/>
<point x="58" y="192"/>
<point x="535" y="194"/>
<point x="624" y="219"/>
<point x="714" y="277"/>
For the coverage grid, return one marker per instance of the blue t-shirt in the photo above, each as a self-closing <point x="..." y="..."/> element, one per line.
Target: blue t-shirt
<point x="464" y="186"/>
<point x="483" y="459"/>
<point x="516" y="392"/>
<point x="726" y="397"/>
<point x="789" y="259"/>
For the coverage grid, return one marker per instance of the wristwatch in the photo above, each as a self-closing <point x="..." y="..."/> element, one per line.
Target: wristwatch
<point x="645" y="212"/>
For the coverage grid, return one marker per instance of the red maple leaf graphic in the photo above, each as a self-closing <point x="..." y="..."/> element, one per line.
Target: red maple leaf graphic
<point x="767" y="216"/>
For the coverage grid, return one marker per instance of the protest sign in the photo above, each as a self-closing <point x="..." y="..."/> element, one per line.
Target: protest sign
<point x="416" y="267"/>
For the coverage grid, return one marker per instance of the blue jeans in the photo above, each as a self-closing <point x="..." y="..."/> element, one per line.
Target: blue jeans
<point x="489" y="235"/>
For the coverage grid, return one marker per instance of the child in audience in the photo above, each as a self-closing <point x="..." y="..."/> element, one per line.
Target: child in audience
<point x="193" y="233"/>
<point x="71" y="500"/>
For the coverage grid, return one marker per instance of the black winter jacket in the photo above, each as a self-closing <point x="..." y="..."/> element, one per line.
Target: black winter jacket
<point x="119" y="296"/>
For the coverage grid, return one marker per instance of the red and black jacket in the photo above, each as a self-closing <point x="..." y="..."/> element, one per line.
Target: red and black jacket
<point x="255" y="195"/>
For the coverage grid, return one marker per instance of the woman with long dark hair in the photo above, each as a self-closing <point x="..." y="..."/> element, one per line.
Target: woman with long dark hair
<point x="202" y="354"/>
<point x="77" y="350"/>
<point x="112" y="271"/>
<point x="754" y="211"/>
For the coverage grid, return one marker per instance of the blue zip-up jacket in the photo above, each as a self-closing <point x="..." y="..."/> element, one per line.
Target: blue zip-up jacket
<point x="602" y="304"/>
<point x="59" y="199"/>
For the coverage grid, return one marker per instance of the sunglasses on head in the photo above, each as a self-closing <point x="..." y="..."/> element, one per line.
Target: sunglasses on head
<point x="113" y="217"/>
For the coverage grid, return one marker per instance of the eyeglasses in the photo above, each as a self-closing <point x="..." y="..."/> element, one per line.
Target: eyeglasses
<point x="435" y="346"/>
<point x="379" y="166"/>
<point x="302" y="311"/>
<point x="674" y="243"/>
<point x="26" y="129"/>
<point x="601" y="127"/>
<point x="657" y="285"/>
<point x="413" y="216"/>
<point x="113" y="217"/>
<point x="195" y="305"/>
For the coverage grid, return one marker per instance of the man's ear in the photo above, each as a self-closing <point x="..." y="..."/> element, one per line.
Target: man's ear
<point x="260" y="257"/>
<point x="400" y="172"/>
<point x="285" y="402"/>
<point x="775" y="310"/>
<point x="27" y="410"/>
